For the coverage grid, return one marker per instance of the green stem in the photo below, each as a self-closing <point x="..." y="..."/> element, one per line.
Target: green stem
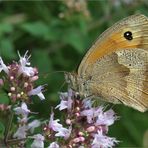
<point x="8" y="127"/>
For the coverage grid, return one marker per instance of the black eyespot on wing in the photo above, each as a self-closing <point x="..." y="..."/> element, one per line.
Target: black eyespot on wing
<point x="128" y="35"/>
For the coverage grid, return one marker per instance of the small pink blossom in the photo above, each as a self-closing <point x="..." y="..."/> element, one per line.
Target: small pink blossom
<point x="102" y="141"/>
<point x="24" y="63"/>
<point x="92" y="113"/>
<point x="23" y="110"/>
<point x="53" y="124"/>
<point x="22" y="120"/>
<point x="38" y="141"/>
<point x="54" y="145"/>
<point x="21" y="132"/>
<point x="66" y="100"/>
<point x="34" y="124"/>
<point x="63" y="105"/>
<point x="37" y="91"/>
<point x="57" y="127"/>
<point x="3" y="66"/>
<point x="64" y="132"/>
<point x="106" y="118"/>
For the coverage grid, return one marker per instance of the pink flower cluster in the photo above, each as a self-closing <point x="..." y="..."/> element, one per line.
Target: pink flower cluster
<point x="83" y="124"/>
<point x="88" y="124"/>
<point x="18" y="81"/>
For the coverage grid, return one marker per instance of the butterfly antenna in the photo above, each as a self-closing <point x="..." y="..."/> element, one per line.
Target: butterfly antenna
<point x="46" y="74"/>
<point x="51" y="73"/>
<point x="62" y="85"/>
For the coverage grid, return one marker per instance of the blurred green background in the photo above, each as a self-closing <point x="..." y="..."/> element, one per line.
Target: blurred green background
<point x="57" y="35"/>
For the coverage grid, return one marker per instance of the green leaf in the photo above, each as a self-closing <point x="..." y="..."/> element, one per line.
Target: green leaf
<point x="4" y="99"/>
<point x="75" y="39"/>
<point x="41" y="60"/>
<point x="7" y="48"/>
<point x="38" y="29"/>
<point x="41" y="30"/>
<point x="5" y="28"/>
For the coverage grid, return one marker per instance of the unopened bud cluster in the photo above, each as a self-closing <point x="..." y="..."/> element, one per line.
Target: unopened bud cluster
<point x="20" y="85"/>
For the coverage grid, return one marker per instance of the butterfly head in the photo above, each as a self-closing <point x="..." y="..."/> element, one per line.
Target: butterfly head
<point x="78" y="84"/>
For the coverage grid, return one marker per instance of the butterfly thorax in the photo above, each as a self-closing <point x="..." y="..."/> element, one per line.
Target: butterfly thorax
<point x="78" y="84"/>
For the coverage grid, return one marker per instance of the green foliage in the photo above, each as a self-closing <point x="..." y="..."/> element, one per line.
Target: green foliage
<point x="57" y="37"/>
<point x="4" y="98"/>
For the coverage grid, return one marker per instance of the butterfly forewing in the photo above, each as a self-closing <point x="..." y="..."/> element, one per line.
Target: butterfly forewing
<point x="113" y="39"/>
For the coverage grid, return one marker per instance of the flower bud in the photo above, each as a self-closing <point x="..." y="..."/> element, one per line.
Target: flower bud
<point x="18" y="95"/>
<point x="22" y="93"/>
<point x="90" y="129"/>
<point x="80" y="133"/>
<point x="12" y="88"/>
<point x="45" y="128"/>
<point x="77" y="108"/>
<point x="9" y="94"/>
<point x="76" y="140"/>
<point x="25" y="84"/>
<point x="34" y="78"/>
<point x="11" y="77"/>
<point x="82" y="139"/>
<point x="70" y="146"/>
<point x="77" y="114"/>
<point x="68" y="121"/>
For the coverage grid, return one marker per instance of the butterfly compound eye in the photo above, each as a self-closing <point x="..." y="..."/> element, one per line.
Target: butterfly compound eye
<point x="128" y="35"/>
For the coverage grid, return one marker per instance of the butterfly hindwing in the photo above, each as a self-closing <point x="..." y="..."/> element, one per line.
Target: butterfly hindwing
<point x="125" y="81"/>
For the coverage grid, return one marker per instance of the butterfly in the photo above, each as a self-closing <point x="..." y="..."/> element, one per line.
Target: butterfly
<point x="115" y="68"/>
